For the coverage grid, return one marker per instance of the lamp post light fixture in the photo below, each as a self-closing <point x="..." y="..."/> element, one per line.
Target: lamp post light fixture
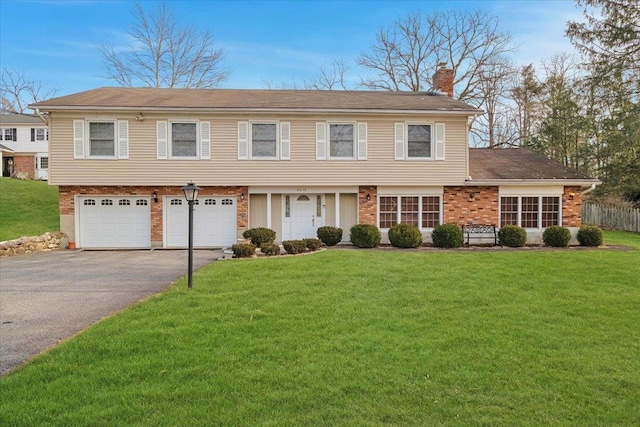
<point x="191" y="194"/>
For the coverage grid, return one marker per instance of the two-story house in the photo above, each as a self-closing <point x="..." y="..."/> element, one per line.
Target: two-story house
<point x="289" y="160"/>
<point x="25" y="139"/>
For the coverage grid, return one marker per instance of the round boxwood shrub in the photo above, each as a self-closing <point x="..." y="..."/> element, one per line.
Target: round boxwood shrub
<point x="365" y="236"/>
<point x="270" y="249"/>
<point x="260" y="235"/>
<point x="556" y="236"/>
<point x="512" y="236"/>
<point x="243" y="250"/>
<point x="405" y="236"/>
<point x="294" y="246"/>
<point x="590" y="235"/>
<point x="330" y="236"/>
<point x="312" y="244"/>
<point x="447" y="236"/>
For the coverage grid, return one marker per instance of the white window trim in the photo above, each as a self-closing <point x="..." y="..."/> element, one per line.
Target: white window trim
<point x="431" y="144"/>
<point x="87" y="139"/>
<point x="250" y="138"/>
<point x="519" y="213"/>
<point x="170" y="156"/>
<point x="399" y="209"/>
<point x="354" y="143"/>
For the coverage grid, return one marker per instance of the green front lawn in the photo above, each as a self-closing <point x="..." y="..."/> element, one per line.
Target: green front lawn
<point x="359" y="337"/>
<point x="27" y="208"/>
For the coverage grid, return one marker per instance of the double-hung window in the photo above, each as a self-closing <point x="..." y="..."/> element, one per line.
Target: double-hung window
<point x="10" y="134"/>
<point x="100" y="139"/>
<point x="38" y="134"/>
<point x="419" y="141"/>
<point x="264" y="140"/>
<point x="341" y="140"/>
<point x="421" y="211"/>
<point x="184" y="140"/>
<point x="530" y="211"/>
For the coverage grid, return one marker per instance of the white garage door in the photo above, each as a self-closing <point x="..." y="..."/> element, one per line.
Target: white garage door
<point x="214" y="222"/>
<point x="114" y="222"/>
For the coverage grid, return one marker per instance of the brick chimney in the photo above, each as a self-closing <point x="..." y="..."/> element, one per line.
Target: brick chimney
<point x="443" y="79"/>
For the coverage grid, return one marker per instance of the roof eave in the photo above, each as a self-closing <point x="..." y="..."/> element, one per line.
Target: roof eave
<point x="457" y="112"/>
<point x="531" y="181"/>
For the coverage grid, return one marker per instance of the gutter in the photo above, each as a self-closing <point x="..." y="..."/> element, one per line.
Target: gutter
<point x="590" y="189"/>
<point x="44" y="120"/>
<point x="533" y="181"/>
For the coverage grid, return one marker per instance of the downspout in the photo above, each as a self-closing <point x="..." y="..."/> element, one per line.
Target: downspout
<point x="589" y="190"/>
<point x="44" y="120"/>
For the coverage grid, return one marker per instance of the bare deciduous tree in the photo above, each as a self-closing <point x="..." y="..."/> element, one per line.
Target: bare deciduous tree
<point x="164" y="54"/>
<point x="17" y="90"/>
<point x="405" y="56"/>
<point x="329" y="78"/>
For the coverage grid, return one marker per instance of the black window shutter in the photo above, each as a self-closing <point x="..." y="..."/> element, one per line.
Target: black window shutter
<point x="15" y="134"/>
<point x="33" y="135"/>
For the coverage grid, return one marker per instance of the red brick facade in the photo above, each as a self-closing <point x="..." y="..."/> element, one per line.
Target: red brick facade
<point x="67" y="194"/>
<point x="470" y="205"/>
<point x="24" y="163"/>
<point x="368" y="209"/>
<point x="572" y="207"/>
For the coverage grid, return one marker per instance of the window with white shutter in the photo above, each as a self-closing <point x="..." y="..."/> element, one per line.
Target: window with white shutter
<point x="243" y="140"/>
<point x="321" y="141"/>
<point x="285" y="140"/>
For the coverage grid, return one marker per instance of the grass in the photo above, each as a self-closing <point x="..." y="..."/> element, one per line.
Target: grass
<point x="27" y="208"/>
<point x="359" y="338"/>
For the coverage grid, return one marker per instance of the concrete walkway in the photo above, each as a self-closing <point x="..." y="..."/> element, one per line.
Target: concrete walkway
<point x="47" y="297"/>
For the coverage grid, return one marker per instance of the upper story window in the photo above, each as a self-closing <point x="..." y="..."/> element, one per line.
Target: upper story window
<point x="184" y="140"/>
<point x="39" y="134"/>
<point x="341" y="140"/>
<point x="100" y="139"/>
<point x="264" y="140"/>
<point x="419" y="141"/>
<point x="9" y="134"/>
<point x="102" y="142"/>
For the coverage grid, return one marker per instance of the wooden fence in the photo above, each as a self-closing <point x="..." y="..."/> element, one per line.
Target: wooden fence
<point x="627" y="219"/>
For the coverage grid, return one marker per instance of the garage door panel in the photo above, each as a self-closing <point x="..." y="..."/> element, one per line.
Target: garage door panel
<point x="114" y="222"/>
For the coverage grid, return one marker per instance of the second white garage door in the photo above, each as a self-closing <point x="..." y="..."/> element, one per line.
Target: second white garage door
<point x="214" y="222"/>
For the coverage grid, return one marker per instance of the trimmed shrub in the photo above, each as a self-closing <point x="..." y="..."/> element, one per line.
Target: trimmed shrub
<point x="312" y="244"/>
<point x="330" y="236"/>
<point x="243" y="250"/>
<point x="260" y="235"/>
<point x="365" y="236"/>
<point x="447" y="236"/>
<point x="270" y="249"/>
<point x="294" y="246"/>
<point x="556" y="236"/>
<point x="405" y="236"/>
<point x="512" y="236"/>
<point x="590" y="235"/>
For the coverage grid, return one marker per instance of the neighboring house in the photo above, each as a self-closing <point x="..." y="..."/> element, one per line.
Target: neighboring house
<point x="289" y="160"/>
<point x="26" y="139"/>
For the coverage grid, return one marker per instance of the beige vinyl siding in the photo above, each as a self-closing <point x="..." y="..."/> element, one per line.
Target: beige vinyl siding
<point x="330" y="209"/>
<point x="348" y="213"/>
<point x="257" y="210"/>
<point x="276" y="215"/>
<point x="224" y="168"/>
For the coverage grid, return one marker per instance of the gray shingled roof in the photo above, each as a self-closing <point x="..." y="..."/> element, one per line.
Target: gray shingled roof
<point x="19" y="119"/>
<point x="250" y="99"/>
<point x="510" y="164"/>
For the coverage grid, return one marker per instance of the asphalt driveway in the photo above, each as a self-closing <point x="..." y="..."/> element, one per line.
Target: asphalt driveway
<point x="47" y="297"/>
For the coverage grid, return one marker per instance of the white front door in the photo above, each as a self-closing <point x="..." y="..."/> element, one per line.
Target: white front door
<point x="303" y="214"/>
<point x="42" y="166"/>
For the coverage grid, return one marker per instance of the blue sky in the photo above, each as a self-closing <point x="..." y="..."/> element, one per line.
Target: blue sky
<point x="278" y="41"/>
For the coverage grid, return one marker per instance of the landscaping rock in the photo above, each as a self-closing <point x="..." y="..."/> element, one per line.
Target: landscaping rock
<point x="50" y="241"/>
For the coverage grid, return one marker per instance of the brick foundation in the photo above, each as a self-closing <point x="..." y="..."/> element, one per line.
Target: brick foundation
<point x="367" y="209"/>
<point x="67" y="194"/>
<point x="470" y="205"/>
